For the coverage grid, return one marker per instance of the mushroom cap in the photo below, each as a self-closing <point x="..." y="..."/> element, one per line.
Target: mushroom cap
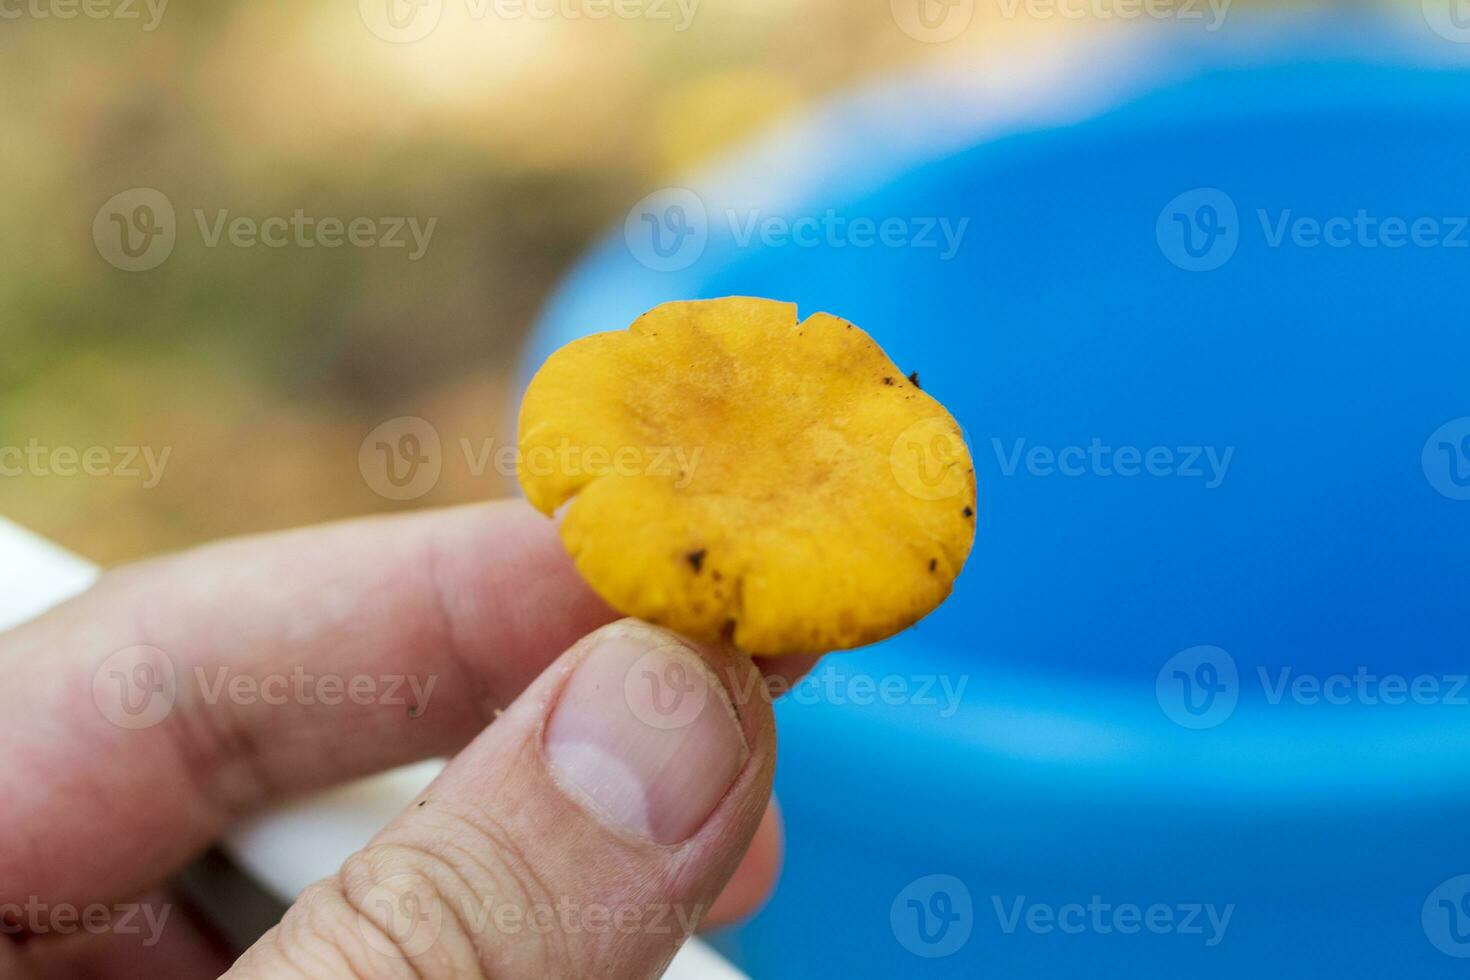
<point x="736" y="475"/>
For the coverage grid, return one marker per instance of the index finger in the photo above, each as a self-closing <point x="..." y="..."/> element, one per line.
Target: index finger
<point x="176" y="695"/>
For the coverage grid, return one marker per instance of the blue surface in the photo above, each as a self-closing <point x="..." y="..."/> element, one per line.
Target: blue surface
<point x="1056" y="772"/>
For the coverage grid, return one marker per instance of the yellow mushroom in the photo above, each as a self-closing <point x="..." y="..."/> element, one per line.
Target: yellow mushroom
<point x="734" y="474"/>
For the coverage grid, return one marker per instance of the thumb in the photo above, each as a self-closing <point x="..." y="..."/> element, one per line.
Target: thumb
<point x="584" y="833"/>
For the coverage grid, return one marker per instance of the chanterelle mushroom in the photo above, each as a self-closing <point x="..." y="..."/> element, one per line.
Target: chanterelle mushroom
<point x="736" y="474"/>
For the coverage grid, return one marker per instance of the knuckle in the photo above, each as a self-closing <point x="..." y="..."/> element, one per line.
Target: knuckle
<point x="402" y="900"/>
<point x="319" y="937"/>
<point x="445" y="903"/>
<point x="508" y="891"/>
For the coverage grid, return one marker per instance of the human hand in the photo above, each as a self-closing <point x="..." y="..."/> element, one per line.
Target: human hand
<point x="608" y="810"/>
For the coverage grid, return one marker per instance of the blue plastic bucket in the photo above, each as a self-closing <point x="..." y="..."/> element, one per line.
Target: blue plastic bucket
<point x="1224" y="465"/>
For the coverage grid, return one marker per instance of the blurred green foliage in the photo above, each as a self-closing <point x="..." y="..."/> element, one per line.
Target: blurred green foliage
<point x="262" y="369"/>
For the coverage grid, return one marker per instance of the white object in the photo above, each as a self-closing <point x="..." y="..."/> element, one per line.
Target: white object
<point x="36" y="575"/>
<point x="287" y="848"/>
